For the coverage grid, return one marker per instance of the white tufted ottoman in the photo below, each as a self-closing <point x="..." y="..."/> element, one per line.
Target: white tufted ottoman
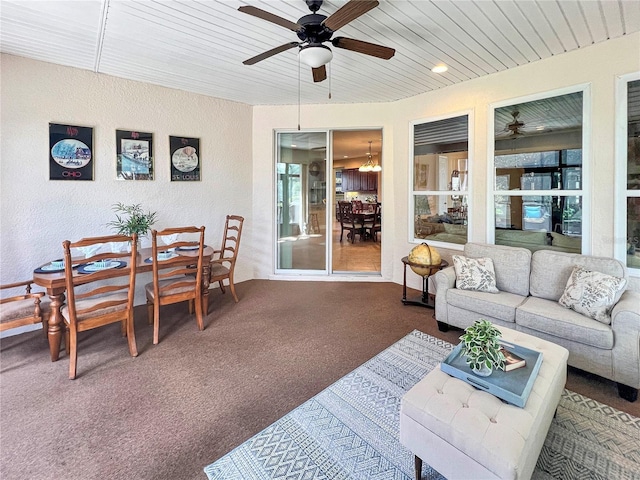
<point x="465" y="433"/>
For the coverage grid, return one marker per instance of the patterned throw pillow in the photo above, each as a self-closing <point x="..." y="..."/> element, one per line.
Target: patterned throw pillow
<point x="475" y="274"/>
<point x="592" y="293"/>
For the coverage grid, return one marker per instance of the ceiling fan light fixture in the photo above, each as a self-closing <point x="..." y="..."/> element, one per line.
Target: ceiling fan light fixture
<point x="440" y="68"/>
<point x="315" y="55"/>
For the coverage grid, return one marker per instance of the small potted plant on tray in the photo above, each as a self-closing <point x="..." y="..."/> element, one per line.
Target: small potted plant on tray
<point x="132" y="219"/>
<point x="481" y="347"/>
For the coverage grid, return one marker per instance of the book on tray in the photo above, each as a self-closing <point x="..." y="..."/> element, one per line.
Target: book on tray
<point x="512" y="361"/>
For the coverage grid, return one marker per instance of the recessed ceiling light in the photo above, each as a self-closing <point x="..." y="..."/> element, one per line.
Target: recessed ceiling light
<point x="440" y="68"/>
<point x="346" y="156"/>
<point x="541" y="127"/>
<point x="293" y="146"/>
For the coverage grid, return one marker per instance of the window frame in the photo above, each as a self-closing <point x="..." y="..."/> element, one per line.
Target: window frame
<point x="411" y="238"/>
<point x="584" y="192"/>
<point x="622" y="193"/>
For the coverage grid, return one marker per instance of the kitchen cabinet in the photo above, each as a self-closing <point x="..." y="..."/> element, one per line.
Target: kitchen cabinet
<point x="353" y="180"/>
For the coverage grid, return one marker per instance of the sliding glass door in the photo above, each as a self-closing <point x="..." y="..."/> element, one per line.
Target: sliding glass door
<point x="314" y="172"/>
<point x="301" y="199"/>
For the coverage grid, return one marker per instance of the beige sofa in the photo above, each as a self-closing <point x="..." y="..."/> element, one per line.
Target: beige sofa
<point x="530" y="286"/>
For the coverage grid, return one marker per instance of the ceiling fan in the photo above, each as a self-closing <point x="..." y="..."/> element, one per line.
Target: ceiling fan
<point x="515" y="126"/>
<point x="314" y="29"/>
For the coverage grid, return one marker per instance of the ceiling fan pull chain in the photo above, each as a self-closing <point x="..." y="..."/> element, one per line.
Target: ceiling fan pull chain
<point x="299" y="92"/>
<point x="330" y="81"/>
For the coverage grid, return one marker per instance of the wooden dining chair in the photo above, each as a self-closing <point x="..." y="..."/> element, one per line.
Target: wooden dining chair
<point x="374" y="226"/>
<point x="173" y="274"/>
<point x="348" y="221"/>
<point x="20" y="306"/>
<point x="95" y="295"/>
<point x="222" y="268"/>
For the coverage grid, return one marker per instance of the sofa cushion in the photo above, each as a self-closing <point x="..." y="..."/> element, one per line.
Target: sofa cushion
<point x="550" y="317"/>
<point x="511" y="264"/>
<point x="592" y="293"/>
<point x="475" y="274"/>
<point x="550" y="271"/>
<point x="496" y="305"/>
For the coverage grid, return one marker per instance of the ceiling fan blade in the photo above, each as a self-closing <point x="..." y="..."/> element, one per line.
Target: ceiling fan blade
<point x="270" y="17"/>
<point x="319" y="74"/>
<point x="270" y="53"/>
<point x="364" y="47"/>
<point x="348" y="12"/>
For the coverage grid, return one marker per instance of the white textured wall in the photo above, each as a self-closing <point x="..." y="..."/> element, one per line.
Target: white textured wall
<point x="38" y="214"/>
<point x="597" y="66"/>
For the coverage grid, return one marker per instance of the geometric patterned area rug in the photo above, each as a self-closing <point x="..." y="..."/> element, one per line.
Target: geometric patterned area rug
<point x="350" y="430"/>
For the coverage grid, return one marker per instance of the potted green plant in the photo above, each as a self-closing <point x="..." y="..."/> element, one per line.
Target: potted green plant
<point x="482" y="348"/>
<point x="132" y="219"/>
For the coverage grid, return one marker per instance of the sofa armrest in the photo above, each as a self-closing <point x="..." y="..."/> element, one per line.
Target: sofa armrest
<point x="625" y="323"/>
<point x="443" y="280"/>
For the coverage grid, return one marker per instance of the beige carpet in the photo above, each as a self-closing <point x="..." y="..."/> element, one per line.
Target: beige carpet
<point x="196" y="395"/>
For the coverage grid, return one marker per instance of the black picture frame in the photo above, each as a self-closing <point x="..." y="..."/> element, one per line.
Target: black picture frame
<point x="70" y="152"/>
<point x="185" y="159"/>
<point x="135" y="159"/>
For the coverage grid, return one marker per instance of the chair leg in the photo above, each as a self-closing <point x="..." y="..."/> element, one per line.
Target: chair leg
<point x="66" y="340"/>
<point x="131" y="335"/>
<point x="73" y="356"/>
<point x="232" y="287"/>
<point x="149" y="311"/>
<point x="199" y="321"/>
<point x="156" y="324"/>
<point x="221" y="286"/>
<point x="191" y="306"/>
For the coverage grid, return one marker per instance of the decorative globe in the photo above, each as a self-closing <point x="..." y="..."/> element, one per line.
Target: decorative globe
<point x="422" y="257"/>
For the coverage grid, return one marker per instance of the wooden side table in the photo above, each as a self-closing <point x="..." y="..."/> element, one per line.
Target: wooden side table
<point x="425" y="300"/>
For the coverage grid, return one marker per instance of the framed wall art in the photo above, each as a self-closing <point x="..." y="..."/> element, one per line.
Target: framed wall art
<point x="70" y="152"/>
<point x="135" y="155"/>
<point x="185" y="159"/>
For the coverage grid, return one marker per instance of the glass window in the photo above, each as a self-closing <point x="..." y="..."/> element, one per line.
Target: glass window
<point x="440" y="179"/>
<point x="633" y="174"/>
<point x="538" y="171"/>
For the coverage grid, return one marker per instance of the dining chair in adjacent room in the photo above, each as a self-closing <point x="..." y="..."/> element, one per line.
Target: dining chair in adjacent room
<point x="20" y="306"/>
<point x="174" y="280"/>
<point x="348" y="222"/>
<point x="374" y="226"/>
<point x="97" y="294"/>
<point x="222" y="268"/>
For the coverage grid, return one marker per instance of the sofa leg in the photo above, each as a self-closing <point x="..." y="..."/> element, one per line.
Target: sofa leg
<point x="418" y="466"/>
<point x="628" y="393"/>
<point x="443" y="327"/>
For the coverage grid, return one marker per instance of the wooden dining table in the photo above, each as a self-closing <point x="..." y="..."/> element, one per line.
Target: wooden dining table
<point x="55" y="285"/>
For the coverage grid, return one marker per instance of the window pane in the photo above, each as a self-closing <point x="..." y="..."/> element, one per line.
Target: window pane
<point x="633" y="135"/>
<point x="440" y="164"/>
<point x="556" y="221"/>
<point x="633" y="232"/>
<point x="441" y="218"/>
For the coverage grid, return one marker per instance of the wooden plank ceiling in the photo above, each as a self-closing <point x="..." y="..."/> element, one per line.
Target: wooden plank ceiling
<point x="199" y="45"/>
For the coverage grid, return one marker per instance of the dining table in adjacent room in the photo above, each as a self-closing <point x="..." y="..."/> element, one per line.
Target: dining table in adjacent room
<point x="53" y="281"/>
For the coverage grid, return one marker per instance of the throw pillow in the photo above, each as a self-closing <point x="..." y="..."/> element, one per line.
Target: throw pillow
<point x="592" y="293"/>
<point x="475" y="274"/>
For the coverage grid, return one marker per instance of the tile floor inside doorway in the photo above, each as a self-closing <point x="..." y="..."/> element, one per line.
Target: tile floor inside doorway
<point x="359" y="257"/>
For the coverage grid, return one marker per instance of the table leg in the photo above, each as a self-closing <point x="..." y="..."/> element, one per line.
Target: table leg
<point x="55" y="323"/>
<point x="404" y="284"/>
